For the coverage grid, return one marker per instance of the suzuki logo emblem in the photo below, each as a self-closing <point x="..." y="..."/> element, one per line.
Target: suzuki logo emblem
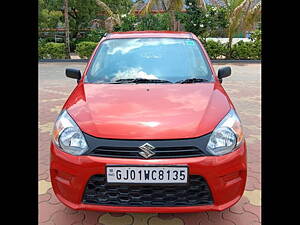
<point x="146" y="150"/>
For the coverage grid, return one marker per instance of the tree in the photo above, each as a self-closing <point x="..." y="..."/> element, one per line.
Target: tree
<point x="47" y="17"/>
<point x="154" y="22"/>
<point x="202" y="20"/>
<point x="119" y="6"/>
<point x="242" y="15"/>
<point x="67" y="29"/>
<point x="114" y="18"/>
<point x="170" y="6"/>
<point x="252" y="17"/>
<point x="80" y="13"/>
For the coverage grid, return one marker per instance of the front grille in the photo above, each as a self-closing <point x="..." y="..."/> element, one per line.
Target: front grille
<point x="195" y="193"/>
<point x="173" y="148"/>
<point x="160" y="152"/>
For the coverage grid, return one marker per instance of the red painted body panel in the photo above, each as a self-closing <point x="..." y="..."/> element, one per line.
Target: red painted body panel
<point x="69" y="175"/>
<point x="164" y="111"/>
<point x="168" y="111"/>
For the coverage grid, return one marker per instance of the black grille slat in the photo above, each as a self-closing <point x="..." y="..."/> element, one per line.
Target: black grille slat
<point x="113" y="150"/>
<point x="196" y="192"/>
<point x="160" y="152"/>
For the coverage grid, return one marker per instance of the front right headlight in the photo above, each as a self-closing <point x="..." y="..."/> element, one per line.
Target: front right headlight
<point x="227" y="136"/>
<point x="67" y="135"/>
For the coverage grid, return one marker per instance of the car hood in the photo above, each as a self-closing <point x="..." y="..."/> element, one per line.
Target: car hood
<point x="148" y="111"/>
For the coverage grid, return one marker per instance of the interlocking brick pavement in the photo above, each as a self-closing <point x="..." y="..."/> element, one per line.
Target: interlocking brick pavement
<point x="243" y="87"/>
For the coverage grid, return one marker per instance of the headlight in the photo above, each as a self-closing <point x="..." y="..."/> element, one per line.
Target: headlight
<point x="67" y="135"/>
<point x="227" y="136"/>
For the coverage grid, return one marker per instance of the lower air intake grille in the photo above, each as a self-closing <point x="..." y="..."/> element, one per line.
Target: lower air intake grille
<point x="195" y="193"/>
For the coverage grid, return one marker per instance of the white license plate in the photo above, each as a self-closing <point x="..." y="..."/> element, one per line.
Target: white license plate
<point x="147" y="174"/>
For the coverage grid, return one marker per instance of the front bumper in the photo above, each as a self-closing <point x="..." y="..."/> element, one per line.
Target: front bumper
<point x="225" y="175"/>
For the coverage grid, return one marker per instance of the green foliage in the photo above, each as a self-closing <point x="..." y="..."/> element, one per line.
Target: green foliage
<point x="242" y="50"/>
<point x="246" y="50"/>
<point x="203" y="22"/>
<point x="154" y="22"/>
<point x="129" y="23"/>
<point x="119" y="6"/>
<point x="51" y="50"/>
<point x="41" y="44"/>
<point x="47" y="39"/>
<point x="94" y="35"/>
<point x="215" y="49"/>
<point x="81" y="12"/>
<point x="256" y="35"/>
<point x="49" y="19"/>
<point x="257" y="49"/>
<point x="146" y="22"/>
<point x="85" y="49"/>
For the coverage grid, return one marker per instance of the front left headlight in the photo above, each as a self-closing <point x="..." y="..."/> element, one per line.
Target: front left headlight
<point x="227" y="136"/>
<point x="67" y="135"/>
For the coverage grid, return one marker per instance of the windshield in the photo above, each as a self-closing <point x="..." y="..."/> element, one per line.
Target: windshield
<point x="162" y="59"/>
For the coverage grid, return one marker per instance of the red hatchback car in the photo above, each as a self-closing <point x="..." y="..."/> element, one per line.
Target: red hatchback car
<point x="148" y="128"/>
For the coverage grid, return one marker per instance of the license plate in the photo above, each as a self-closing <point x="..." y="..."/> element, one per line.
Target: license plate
<point x="147" y="174"/>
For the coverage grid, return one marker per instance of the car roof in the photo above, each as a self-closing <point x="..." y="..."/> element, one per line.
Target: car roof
<point x="140" y="34"/>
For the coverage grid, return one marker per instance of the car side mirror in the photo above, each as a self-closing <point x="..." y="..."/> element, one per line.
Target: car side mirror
<point x="73" y="73"/>
<point x="224" y="72"/>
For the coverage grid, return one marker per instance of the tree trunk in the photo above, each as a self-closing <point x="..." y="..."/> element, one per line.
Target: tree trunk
<point x="173" y="20"/>
<point x="229" y="48"/>
<point x="67" y="29"/>
<point x="228" y="55"/>
<point x="109" y="24"/>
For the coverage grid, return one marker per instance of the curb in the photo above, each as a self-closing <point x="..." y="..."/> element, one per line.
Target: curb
<point x="235" y="61"/>
<point x="62" y="60"/>
<point x="213" y="61"/>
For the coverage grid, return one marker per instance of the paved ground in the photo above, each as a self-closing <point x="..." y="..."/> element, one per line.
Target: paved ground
<point x="244" y="89"/>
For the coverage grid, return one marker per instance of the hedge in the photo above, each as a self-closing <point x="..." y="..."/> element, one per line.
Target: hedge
<point x="85" y="49"/>
<point x="51" y="50"/>
<point x="246" y="50"/>
<point x="241" y="50"/>
<point x="91" y="36"/>
<point x="215" y="49"/>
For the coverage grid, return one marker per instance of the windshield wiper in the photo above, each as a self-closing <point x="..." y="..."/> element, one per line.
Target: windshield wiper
<point x="192" y="80"/>
<point x="139" y="80"/>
